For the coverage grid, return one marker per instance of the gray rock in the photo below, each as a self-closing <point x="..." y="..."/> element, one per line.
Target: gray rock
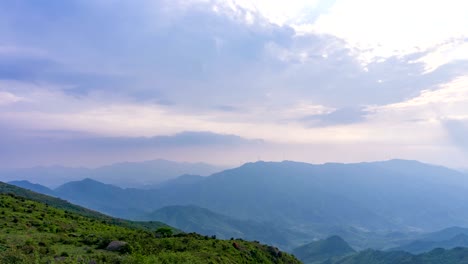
<point x="116" y="245"/>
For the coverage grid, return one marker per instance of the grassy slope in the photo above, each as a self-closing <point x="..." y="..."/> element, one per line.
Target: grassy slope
<point x="35" y="232"/>
<point x="62" y="204"/>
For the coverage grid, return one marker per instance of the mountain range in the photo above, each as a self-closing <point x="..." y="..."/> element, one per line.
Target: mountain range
<point x="448" y="238"/>
<point x="377" y="204"/>
<point x="126" y="174"/>
<point x="192" y="218"/>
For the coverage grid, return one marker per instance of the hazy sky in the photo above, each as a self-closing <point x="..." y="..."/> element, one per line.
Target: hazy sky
<point x="90" y="82"/>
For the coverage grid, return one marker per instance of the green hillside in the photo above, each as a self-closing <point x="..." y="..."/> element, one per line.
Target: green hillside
<point x="322" y="250"/>
<point x="37" y="232"/>
<point x="62" y="204"/>
<point x="203" y="221"/>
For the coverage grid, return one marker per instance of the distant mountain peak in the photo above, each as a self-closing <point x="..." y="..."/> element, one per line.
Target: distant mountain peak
<point x="89" y="181"/>
<point x="32" y="187"/>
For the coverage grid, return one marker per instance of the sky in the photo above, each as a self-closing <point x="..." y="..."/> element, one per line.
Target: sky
<point x="93" y="82"/>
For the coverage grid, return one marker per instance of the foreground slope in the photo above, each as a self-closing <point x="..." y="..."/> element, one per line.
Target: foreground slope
<point x="36" y="232"/>
<point x="62" y="204"/>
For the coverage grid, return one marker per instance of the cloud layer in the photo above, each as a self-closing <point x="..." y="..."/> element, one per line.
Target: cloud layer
<point x="115" y="74"/>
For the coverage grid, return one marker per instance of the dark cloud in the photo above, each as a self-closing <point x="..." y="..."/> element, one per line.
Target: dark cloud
<point x="26" y="148"/>
<point x="194" y="57"/>
<point x="24" y="68"/>
<point x="183" y="139"/>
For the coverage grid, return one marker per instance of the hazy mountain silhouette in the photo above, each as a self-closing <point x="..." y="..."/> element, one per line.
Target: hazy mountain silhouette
<point x="125" y="174"/>
<point x="192" y="218"/>
<point x="322" y="250"/>
<point x="33" y="187"/>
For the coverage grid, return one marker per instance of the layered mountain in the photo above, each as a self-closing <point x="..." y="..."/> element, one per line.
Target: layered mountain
<point x="107" y="198"/>
<point x="436" y="256"/>
<point x="421" y="246"/>
<point x="448" y="238"/>
<point x="320" y="251"/>
<point x="445" y="234"/>
<point x="126" y="174"/>
<point x="203" y="221"/>
<point x="181" y="180"/>
<point x="354" y="201"/>
<point x="33" y="187"/>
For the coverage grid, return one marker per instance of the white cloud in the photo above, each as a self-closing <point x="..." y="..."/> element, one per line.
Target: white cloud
<point x="7" y="98"/>
<point x="278" y="12"/>
<point x="446" y="53"/>
<point x="422" y="120"/>
<point x="400" y="26"/>
<point x="451" y="98"/>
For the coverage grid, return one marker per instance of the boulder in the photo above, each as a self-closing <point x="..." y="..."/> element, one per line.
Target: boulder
<point x="116" y="246"/>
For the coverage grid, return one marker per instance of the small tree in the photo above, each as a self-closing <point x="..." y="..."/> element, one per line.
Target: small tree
<point x="164" y="232"/>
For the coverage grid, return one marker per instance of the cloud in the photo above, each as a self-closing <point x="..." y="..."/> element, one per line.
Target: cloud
<point x="131" y="74"/>
<point x="457" y="131"/>
<point x="8" y="98"/>
<point x="183" y="139"/>
<point x="196" y="58"/>
<point x="395" y="27"/>
<point x="26" y="148"/>
<point x="342" y="116"/>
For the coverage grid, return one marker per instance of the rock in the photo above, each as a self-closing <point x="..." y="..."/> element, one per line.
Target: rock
<point x="116" y="245"/>
<point x="236" y="246"/>
<point x="274" y="251"/>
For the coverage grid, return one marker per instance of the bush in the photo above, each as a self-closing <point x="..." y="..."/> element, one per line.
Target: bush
<point x="164" y="232"/>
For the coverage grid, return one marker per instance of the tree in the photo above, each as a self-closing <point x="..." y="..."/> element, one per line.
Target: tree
<point x="164" y="232"/>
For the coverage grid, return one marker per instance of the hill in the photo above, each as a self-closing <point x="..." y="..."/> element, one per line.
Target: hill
<point x="323" y="250"/>
<point x="436" y="256"/>
<point x="35" y="232"/>
<point x="33" y="187"/>
<point x="203" y="221"/>
<point x="66" y="206"/>
<point x="183" y="179"/>
<point x="447" y="238"/>
<point x="445" y="234"/>
<point x="421" y="246"/>
<point x="106" y="198"/>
